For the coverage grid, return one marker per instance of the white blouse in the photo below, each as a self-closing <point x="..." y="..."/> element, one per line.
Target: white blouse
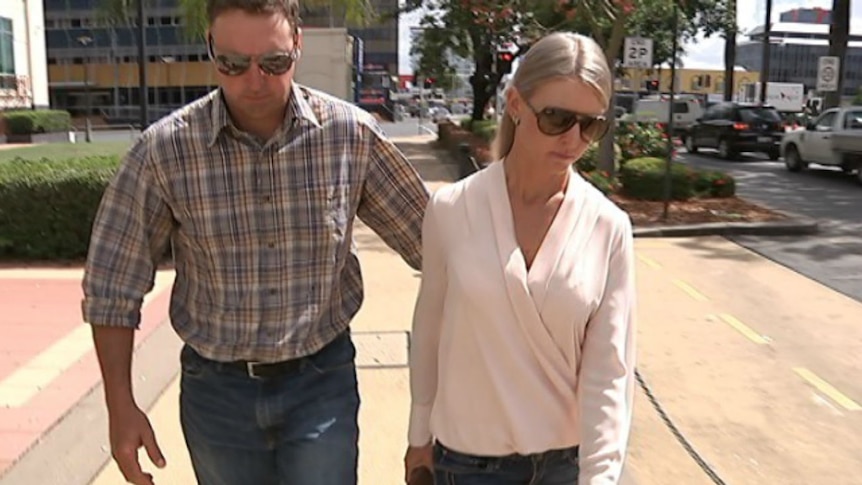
<point x="505" y="360"/>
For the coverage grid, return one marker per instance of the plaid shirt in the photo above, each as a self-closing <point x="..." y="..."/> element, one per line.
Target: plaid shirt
<point x="262" y="235"/>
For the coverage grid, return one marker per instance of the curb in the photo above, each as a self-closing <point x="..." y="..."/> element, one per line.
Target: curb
<point x="798" y="227"/>
<point x="793" y="224"/>
<point x="76" y="448"/>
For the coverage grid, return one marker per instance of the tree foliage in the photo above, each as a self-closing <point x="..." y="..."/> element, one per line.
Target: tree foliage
<point x="359" y="13"/>
<point x="474" y="29"/>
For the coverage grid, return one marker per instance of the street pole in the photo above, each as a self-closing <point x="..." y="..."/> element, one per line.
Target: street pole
<point x="86" y="40"/>
<point x="764" y="66"/>
<point x="670" y="124"/>
<point x="420" y="81"/>
<point x="88" y="131"/>
<point x="142" y="65"/>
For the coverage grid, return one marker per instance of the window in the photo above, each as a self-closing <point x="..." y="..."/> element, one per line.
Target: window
<point x="825" y="122"/>
<point x="753" y="115"/>
<point x="853" y="120"/>
<point x="7" y="47"/>
<point x="717" y="112"/>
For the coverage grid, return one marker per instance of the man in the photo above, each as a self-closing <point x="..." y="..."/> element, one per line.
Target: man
<point x="256" y="187"/>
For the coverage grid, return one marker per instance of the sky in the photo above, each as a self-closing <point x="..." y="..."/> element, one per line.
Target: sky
<point x="703" y="53"/>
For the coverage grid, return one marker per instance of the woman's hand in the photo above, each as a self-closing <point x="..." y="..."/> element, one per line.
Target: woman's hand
<point x="418" y="457"/>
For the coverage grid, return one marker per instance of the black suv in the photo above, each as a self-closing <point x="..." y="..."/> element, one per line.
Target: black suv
<point x="733" y="128"/>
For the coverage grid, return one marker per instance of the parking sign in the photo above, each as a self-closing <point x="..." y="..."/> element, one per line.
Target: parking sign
<point x="827" y="73"/>
<point x="638" y="53"/>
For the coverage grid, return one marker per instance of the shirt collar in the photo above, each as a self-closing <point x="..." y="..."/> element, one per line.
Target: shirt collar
<point x="298" y="112"/>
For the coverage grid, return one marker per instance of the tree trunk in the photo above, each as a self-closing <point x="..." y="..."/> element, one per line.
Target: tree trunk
<point x="839" y="33"/>
<point x="481" y="95"/>
<point x="730" y="51"/>
<point x="607" y="155"/>
<point x="483" y="80"/>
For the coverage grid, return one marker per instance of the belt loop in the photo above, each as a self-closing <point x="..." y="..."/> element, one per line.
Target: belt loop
<point x="249" y="366"/>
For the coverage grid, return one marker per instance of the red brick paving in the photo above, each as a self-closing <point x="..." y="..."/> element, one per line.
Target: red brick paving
<point x="36" y="313"/>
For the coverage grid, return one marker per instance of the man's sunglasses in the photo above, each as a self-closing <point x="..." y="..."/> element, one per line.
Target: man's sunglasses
<point x="271" y="64"/>
<point x="556" y="121"/>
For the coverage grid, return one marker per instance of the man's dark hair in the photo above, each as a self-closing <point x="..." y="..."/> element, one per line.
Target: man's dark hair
<point x="290" y="8"/>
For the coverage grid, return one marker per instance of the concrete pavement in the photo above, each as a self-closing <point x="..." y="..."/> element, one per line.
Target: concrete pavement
<point x="757" y="364"/>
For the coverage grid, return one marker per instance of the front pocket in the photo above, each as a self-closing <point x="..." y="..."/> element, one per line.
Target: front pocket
<point x="339" y="354"/>
<point x="190" y="363"/>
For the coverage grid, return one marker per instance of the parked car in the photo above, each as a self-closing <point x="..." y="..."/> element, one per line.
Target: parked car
<point x="833" y="139"/>
<point x="440" y="114"/>
<point x="733" y="128"/>
<point x="656" y="109"/>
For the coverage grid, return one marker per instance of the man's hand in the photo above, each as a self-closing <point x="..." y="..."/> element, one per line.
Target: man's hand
<point x="130" y="430"/>
<point x="418" y="457"/>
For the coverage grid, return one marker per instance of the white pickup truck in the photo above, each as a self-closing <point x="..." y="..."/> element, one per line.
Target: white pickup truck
<point x="833" y="139"/>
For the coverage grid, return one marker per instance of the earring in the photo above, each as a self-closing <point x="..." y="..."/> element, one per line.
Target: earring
<point x="516" y="120"/>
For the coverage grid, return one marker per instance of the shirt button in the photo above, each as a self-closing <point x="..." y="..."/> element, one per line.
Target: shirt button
<point x="272" y="292"/>
<point x="267" y="199"/>
<point x="270" y="244"/>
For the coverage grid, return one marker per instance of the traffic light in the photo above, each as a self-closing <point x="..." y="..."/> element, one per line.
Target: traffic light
<point x="429" y="82"/>
<point x="504" y="62"/>
<point x="651" y="85"/>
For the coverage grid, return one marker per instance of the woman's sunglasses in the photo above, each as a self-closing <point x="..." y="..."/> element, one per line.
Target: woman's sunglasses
<point x="271" y="64"/>
<point x="556" y="121"/>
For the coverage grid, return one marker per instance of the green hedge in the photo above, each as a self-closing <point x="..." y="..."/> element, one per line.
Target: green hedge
<point x="41" y="121"/>
<point x="602" y="181"/>
<point x="713" y="183"/>
<point x="640" y="140"/>
<point x="47" y="206"/>
<point x="643" y="178"/>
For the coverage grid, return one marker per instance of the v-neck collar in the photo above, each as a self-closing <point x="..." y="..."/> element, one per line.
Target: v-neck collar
<point x="550" y="248"/>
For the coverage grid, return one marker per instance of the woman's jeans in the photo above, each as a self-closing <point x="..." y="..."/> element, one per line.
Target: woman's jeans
<point x="554" y="467"/>
<point x="299" y="428"/>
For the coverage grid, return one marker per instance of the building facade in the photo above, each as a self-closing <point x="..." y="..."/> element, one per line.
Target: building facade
<point x="796" y="44"/>
<point x="93" y="60"/>
<point x="709" y="82"/>
<point x="92" y="57"/>
<point x="23" y="76"/>
<point x="380" y="42"/>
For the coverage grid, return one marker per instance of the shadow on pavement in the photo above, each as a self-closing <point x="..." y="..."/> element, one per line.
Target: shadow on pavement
<point x="707" y="249"/>
<point x="432" y="163"/>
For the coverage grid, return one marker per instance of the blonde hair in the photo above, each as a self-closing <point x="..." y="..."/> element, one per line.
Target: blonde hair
<point x="561" y="54"/>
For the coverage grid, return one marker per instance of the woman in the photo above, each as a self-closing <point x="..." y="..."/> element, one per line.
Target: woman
<point x="522" y="355"/>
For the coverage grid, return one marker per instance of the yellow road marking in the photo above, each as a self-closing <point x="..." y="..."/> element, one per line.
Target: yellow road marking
<point x="649" y="262"/>
<point x="690" y="291"/>
<point x="744" y="329"/>
<point x="37" y="373"/>
<point x="828" y="389"/>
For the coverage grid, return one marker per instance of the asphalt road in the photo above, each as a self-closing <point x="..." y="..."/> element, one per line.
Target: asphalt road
<point x="834" y="256"/>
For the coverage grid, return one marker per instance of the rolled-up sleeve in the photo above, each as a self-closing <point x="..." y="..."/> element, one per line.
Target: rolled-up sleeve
<point x="394" y="199"/>
<point x="606" y="375"/>
<point x="130" y="233"/>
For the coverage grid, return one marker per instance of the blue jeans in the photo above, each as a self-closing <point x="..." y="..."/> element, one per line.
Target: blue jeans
<point x="553" y="467"/>
<point x="299" y="428"/>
